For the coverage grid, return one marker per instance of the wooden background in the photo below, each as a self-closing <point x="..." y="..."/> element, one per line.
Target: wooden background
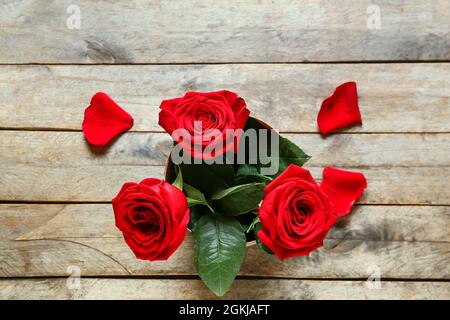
<point x="284" y="57"/>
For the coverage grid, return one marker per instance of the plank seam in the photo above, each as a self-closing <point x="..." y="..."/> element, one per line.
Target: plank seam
<point x="341" y="240"/>
<point x="6" y="202"/>
<point x="48" y="129"/>
<point x="239" y="277"/>
<point x="225" y="63"/>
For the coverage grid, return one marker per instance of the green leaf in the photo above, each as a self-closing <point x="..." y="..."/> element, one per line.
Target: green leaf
<point x="178" y="181"/>
<point x="251" y="179"/>
<point x="208" y="178"/>
<point x="253" y="224"/>
<point x="252" y="123"/>
<point x="239" y="199"/>
<point x="247" y="169"/>
<point x="247" y="173"/>
<point x="219" y="251"/>
<point x="194" y="202"/>
<point x="290" y="153"/>
<point x="246" y="220"/>
<point x="196" y="212"/>
<point x="195" y="197"/>
<point x="258" y="227"/>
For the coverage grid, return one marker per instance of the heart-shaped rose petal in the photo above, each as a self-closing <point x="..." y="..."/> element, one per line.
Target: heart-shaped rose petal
<point x="343" y="188"/>
<point x="340" y="110"/>
<point x="104" y="120"/>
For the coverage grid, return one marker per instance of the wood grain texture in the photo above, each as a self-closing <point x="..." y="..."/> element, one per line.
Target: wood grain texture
<point x="410" y="242"/>
<point x="154" y="31"/>
<point x="400" y="226"/>
<point x="338" y="259"/>
<point x="366" y="222"/>
<point x="392" y="97"/>
<point x="70" y="149"/>
<point x="94" y="288"/>
<point x="396" y="185"/>
<point x="60" y="166"/>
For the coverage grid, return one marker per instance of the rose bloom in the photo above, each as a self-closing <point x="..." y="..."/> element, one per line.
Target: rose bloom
<point x="202" y="119"/>
<point x="153" y="216"/>
<point x="296" y="213"/>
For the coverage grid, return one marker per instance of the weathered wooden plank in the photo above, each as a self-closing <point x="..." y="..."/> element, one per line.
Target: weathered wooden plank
<point x="372" y="150"/>
<point x="339" y="259"/>
<point x="375" y="223"/>
<point x="60" y="166"/>
<point x="396" y="185"/>
<point x="150" y="31"/>
<point x="403" y="242"/>
<point x="110" y="256"/>
<point x="392" y="97"/>
<point x="100" y="288"/>
<point x="90" y="183"/>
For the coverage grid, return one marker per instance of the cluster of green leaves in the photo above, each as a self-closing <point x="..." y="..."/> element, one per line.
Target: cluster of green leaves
<point x="223" y="201"/>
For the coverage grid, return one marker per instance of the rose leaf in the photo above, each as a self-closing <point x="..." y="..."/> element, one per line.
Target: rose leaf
<point x="208" y="178"/>
<point x="239" y="199"/>
<point x="219" y="251"/>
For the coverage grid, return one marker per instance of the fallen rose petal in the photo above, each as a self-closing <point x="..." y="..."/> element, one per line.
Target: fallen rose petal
<point x="104" y="120"/>
<point x="343" y="188"/>
<point x="340" y="110"/>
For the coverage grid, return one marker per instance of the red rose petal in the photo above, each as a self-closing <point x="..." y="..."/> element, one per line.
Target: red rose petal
<point x="292" y="171"/>
<point x="343" y="188"/>
<point x="220" y="110"/>
<point x="104" y="120"/>
<point x="340" y="110"/>
<point x="281" y="252"/>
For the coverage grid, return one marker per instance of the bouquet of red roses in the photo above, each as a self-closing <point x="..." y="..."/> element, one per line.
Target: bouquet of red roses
<point x="232" y="181"/>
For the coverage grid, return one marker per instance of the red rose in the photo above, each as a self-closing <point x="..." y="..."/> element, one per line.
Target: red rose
<point x="153" y="217"/>
<point x="216" y="111"/>
<point x="296" y="213"/>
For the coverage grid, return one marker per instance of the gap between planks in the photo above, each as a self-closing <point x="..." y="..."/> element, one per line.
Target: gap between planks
<point x="227" y="62"/>
<point x="238" y="277"/>
<point x="99" y="288"/>
<point x="62" y="202"/>
<point x="43" y="129"/>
